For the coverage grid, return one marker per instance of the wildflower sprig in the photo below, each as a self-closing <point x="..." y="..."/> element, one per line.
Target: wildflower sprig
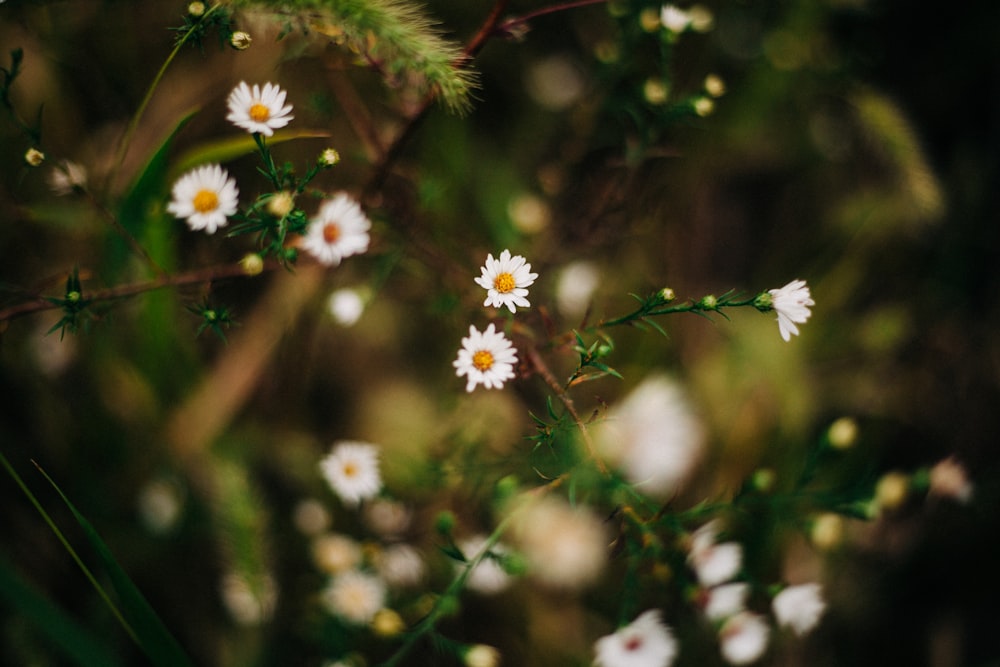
<point x="212" y="317"/>
<point x="73" y="305"/>
<point x="590" y="357"/>
<point x="200" y="21"/>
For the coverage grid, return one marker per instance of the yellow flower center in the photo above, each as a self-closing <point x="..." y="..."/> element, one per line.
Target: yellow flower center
<point x="331" y="232"/>
<point x="205" y="201"/>
<point x="503" y="283"/>
<point x="483" y="360"/>
<point x="259" y="112"/>
<point x="350" y="470"/>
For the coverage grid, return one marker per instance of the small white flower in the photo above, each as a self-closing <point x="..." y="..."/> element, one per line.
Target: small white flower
<point x="351" y="469"/>
<point x="354" y="596"/>
<point x="726" y="600"/>
<point x="674" y="18"/>
<point x="645" y="642"/>
<point x="575" y="287"/>
<point x="792" y="305"/>
<point x="799" y="607"/>
<point x="259" y="111"/>
<point x="949" y="479"/>
<point x="160" y="504"/>
<point x="400" y="565"/>
<point x="388" y="518"/>
<point x="506" y="280"/>
<point x="486" y="358"/>
<point x="488" y="576"/>
<point x="482" y="655"/>
<point x="334" y="553"/>
<point x="346" y="306"/>
<point x="714" y="563"/>
<point x="339" y="230"/>
<point x="205" y="197"/>
<point x="743" y="638"/>
<point x="564" y="546"/>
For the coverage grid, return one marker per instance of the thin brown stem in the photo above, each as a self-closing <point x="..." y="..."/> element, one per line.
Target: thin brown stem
<point x="516" y="21"/>
<point x="542" y="369"/>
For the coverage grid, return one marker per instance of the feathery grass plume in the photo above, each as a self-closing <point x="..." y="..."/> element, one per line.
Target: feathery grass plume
<point x="394" y="35"/>
<point x="240" y="517"/>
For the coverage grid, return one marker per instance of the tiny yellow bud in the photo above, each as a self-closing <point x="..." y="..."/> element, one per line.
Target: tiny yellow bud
<point x="34" y="157"/>
<point x="482" y="655"/>
<point x="196" y="9"/>
<point x="387" y="623"/>
<point x="73" y="297"/>
<point x="252" y="264"/>
<point x="892" y="490"/>
<point x="715" y="86"/>
<point x="704" y="106"/>
<point x="842" y="433"/>
<point x="655" y="91"/>
<point x="827" y="531"/>
<point x="763" y="479"/>
<point x="701" y="17"/>
<point x="709" y="302"/>
<point x="329" y="157"/>
<point x="667" y="295"/>
<point x="281" y="204"/>
<point x="240" y="40"/>
<point x="649" y="19"/>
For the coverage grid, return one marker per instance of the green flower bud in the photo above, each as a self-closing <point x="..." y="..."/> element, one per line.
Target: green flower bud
<point x="34" y="157"/>
<point x="709" y="302"/>
<point x="240" y="40"/>
<point x="196" y="9"/>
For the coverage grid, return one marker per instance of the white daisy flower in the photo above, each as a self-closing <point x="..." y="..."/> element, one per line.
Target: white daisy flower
<point x="799" y="607"/>
<point x="726" y="600"/>
<point x="258" y="111"/>
<point x="505" y="280"/>
<point x="205" y="196"/>
<point x="792" y="304"/>
<point x="743" y="638"/>
<point x="339" y="230"/>
<point x="714" y="563"/>
<point x="645" y="642"/>
<point x="486" y="358"/>
<point x="351" y="469"/>
<point x="354" y="596"/>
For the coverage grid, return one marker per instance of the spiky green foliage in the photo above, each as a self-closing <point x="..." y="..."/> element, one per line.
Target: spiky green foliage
<point x="393" y="35"/>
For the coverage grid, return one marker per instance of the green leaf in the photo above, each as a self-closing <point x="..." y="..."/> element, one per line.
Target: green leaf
<point x="150" y="633"/>
<point x="60" y="630"/>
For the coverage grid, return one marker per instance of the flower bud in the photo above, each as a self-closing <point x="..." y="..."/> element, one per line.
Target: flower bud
<point x="34" y="157"/>
<point x="329" y="157"/>
<point x="196" y="9"/>
<point x="387" y="623"/>
<point x="481" y="655"/>
<point x="827" y="531"/>
<point x="252" y="264"/>
<point x="715" y="86"/>
<point x="704" y="106"/>
<point x="667" y="295"/>
<point x="240" y="40"/>
<point x="280" y="204"/>
<point x="655" y="92"/>
<point x="445" y="522"/>
<point x="709" y="302"/>
<point x="892" y="490"/>
<point x="649" y="20"/>
<point x="842" y="433"/>
<point x="763" y="480"/>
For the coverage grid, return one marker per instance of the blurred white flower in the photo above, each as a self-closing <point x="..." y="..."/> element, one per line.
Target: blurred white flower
<point x="792" y="305"/>
<point x="160" y="504"/>
<point x="714" y="563"/>
<point x="352" y="471"/>
<point x="726" y="600"/>
<point x="486" y="358"/>
<point x="481" y="655"/>
<point x="743" y="638"/>
<point x="556" y="83"/>
<point x="799" y="607"/>
<point x="334" y="553"/>
<point x="388" y="518"/>
<point x="205" y="197"/>
<point x="66" y="177"/>
<point x="674" y="18"/>
<point x="257" y="110"/>
<point x="575" y="286"/>
<point x="354" y="596"/>
<point x="400" y="565"/>
<point x="339" y="230"/>
<point x="701" y="17"/>
<point x="346" y="305"/>
<point x="488" y="576"/>
<point x="564" y="546"/>
<point x="249" y="604"/>
<point x="505" y="281"/>
<point x="529" y="212"/>
<point x="949" y="479"/>
<point x="311" y="517"/>
<point x="645" y="642"/>
<point x="653" y="436"/>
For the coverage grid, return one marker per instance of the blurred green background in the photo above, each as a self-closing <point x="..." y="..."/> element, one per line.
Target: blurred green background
<point x="856" y="146"/>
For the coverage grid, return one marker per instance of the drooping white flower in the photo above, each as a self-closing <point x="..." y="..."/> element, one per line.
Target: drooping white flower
<point x="205" y="197"/>
<point x="505" y="281"/>
<point x="339" y="230"/>
<point x="791" y="302"/>
<point x="488" y="576"/>
<point x="799" y="607"/>
<point x="354" y="596"/>
<point x="258" y="110"/>
<point x="351" y="469"/>
<point x="714" y="563"/>
<point x="645" y="642"/>
<point x="653" y="436"/>
<point x="674" y="18"/>
<point x="726" y="600"/>
<point x="486" y="358"/>
<point x="743" y="638"/>
<point x="564" y="546"/>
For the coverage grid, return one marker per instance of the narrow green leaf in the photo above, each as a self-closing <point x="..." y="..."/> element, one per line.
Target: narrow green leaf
<point x="150" y="633"/>
<point x="231" y="148"/>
